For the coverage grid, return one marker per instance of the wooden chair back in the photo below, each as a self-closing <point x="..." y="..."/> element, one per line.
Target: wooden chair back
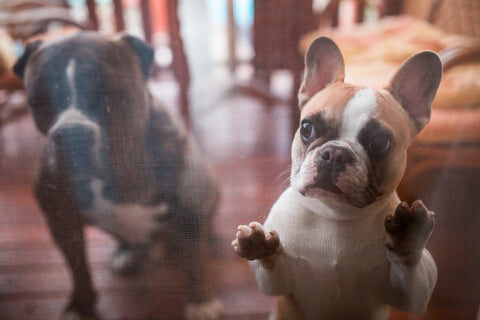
<point x="119" y="16"/>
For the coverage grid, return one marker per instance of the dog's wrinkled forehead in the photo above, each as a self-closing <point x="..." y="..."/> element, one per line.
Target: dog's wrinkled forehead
<point x="88" y="71"/>
<point x="330" y="103"/>
<point x="95" y="58"/>
<point x="116" y="52"/>
<point x="344" y="111"/>
<point x="343" y="107"/>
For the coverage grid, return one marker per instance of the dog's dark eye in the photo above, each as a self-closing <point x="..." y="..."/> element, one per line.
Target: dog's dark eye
<point x="307" y="131"/>
<point x="379" y="144"/>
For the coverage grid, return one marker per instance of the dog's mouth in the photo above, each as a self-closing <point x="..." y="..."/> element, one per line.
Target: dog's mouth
<point x="326" y="180"/>
<point x="330" y="187"/>
<point x="326" y="186"/>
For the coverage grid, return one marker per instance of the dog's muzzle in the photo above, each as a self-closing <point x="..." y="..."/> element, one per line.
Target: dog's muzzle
<point x="75" y="140"/>
<point x="74" y="146"/>
<point x="330" y="161"/>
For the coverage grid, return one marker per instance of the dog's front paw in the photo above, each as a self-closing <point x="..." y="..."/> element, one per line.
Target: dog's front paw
<point x="253" y="242"/>
<point x="408" y="230"/>
<point x="139" y="225"/>
<point x="210" y="310"/>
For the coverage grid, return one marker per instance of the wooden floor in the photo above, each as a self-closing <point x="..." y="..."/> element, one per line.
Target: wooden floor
<point x="248" y="146"/>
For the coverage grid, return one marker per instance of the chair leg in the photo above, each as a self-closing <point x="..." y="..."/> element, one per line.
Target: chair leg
<point x="180" y="64"/>
<point x="119" y="19"/>
<point x="92" y="14"/>
<point x="146" y="18"/>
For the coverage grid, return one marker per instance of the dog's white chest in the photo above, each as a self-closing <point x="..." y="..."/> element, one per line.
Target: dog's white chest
<point x="334" y="268"/>
<point x="133" y="223"/>
<point x="333" y="254"/>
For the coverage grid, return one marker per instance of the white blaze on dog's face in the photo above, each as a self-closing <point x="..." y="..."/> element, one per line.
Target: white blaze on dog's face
<point x="352" y="141"/>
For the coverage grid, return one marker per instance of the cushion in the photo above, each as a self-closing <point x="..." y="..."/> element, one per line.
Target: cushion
<point x="374" y="51"/>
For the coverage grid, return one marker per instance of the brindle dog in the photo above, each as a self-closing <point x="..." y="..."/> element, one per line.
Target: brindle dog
<point x="116" y="159"/>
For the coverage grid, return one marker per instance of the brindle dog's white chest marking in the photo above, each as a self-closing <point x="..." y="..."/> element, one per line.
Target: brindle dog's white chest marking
<point x="133" y="223"/>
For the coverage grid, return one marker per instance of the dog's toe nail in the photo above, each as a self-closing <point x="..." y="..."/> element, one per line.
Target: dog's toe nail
<point x="245" y="230"/>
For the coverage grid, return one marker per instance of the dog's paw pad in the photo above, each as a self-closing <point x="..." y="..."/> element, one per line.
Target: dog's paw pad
<point x="408" y="230"/>
<point x="398" y="223"/>
<point x="423" y="215"/>
<point x="409" y="219"/>
<point x="211" y="310"/>
<point x="253" y="242"/>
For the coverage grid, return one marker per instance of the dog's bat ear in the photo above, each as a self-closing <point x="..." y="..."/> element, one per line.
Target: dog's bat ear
<point x="20" y="65"/>
<point x="143" y="51"/>
<point x="415" y="84"/>
<point x="323" y="65"/>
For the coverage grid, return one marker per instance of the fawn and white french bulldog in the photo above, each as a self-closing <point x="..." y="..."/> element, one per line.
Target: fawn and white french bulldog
<point x="338" y="243"/>
<point x="116" y="159"/>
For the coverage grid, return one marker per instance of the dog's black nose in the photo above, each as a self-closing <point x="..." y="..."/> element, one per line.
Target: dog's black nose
<point x="336" y="155"/>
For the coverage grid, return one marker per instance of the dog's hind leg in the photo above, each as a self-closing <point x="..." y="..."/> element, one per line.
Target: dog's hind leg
<point x="200" y="303"/>
<point x="189" y="246"/>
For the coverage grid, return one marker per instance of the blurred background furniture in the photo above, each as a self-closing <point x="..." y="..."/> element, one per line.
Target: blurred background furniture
<point x="443" y="166"/>
<point x="24" y="21"/>
<point x="277" y="28"/>
<point x="9" y="82"/>
<point x="28" y="20"/>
